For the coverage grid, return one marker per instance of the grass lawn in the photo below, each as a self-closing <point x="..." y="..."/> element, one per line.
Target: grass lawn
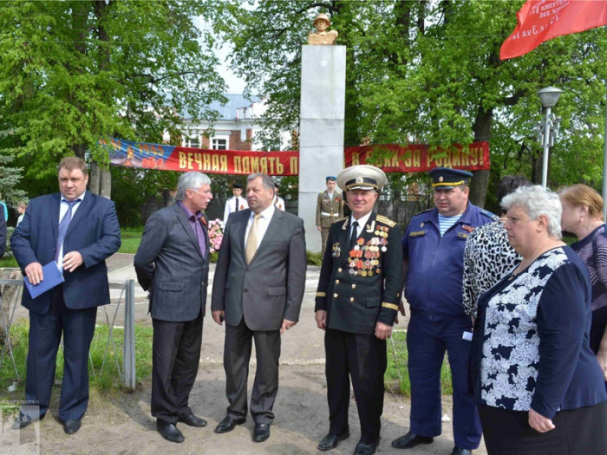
<point x="8" y="262"/>
<point x="401" y="384"/>
<point x="104" y="381"/>
<point x="131" y="238"/>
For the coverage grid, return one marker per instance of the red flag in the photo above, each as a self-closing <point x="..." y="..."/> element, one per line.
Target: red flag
<point x="542" y="20"/>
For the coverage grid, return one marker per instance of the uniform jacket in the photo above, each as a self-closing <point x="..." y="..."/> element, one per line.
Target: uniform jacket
<point x="271" y="287"/>
<point x="279" y="203"/>
<point x="433" y="283"/>
<point x="359" y="292"/>
<point x="93" y="232"/>
<point x="170" y="265"/>
<point x="231" y="206"/>
<point x="333" y="206"/>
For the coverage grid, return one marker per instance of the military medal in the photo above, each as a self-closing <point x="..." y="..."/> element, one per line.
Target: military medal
<point x="336" y="250"/>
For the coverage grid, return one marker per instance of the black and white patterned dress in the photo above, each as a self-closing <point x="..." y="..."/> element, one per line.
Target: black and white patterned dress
<point x="487" y="258"/>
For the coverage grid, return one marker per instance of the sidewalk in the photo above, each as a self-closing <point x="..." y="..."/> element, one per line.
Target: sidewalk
<point x="123" y="424"/>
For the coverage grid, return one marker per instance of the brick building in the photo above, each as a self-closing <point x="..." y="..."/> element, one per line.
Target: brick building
<point x="234" y="130"/>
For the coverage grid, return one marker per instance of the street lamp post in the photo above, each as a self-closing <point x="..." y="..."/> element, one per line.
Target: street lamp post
<point x="549" y="97"/>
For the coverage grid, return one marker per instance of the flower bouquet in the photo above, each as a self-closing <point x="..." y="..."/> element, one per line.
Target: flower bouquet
<point x="215" y="234"/>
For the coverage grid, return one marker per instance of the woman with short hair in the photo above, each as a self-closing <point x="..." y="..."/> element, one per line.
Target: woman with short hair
<point x="583" y="216"/>
<point x="538" y="387"/>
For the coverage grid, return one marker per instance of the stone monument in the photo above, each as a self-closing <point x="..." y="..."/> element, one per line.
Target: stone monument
<point x="322" y="109"/>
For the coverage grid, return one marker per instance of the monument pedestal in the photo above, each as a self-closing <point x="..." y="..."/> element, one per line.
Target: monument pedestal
<point x="321" y="129"/>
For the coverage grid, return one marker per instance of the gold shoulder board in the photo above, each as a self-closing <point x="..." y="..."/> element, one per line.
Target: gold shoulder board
<point x="384" y="220"/>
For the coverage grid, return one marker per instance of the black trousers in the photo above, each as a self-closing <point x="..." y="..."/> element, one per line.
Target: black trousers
<point x="577" y="432"/>
<point x="363" y="358"/>
<point x="175" y="364"/>
<point x="77" y="328"/>
<point x="236" y="357"/>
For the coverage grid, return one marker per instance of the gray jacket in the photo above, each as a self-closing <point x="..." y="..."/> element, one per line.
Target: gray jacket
<point x="271" y="287"/>
<point x="169" y="264"/>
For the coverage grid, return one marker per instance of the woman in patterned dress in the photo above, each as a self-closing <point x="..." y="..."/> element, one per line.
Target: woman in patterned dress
<point x="538" y="387"/>
<point x="583" y="216"/>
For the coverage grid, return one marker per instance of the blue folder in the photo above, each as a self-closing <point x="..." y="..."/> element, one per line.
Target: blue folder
<point x="52" y="278"/>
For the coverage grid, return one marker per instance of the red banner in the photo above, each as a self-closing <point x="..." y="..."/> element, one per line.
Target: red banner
<point x="540" y="21"/>
<point x="412" y="158"/>
<point x="418" y="158"/>
<point x="145" y="155"/>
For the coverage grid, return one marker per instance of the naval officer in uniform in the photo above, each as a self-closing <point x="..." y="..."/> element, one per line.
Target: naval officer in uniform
<point x="433" y="259"/>
<point x="235" y="203"/>
<point x="356" y="304"/>
<point x="329" y="208"/>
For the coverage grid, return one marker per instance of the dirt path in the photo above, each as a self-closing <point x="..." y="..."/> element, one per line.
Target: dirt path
<point x="122" y="424"/>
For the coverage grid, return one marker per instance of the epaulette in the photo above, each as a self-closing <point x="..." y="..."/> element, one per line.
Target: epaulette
<point x="340" y="219"/>
<point x="490" y="215"/>
<point x="384" y="220"/>
<point x="423" y="211"/>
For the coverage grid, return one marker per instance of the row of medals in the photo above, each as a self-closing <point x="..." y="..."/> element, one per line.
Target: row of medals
<point x="369" y="252"/>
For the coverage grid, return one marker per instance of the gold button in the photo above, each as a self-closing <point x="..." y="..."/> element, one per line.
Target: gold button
<point x="339" y="270"/>
<point x="334" y="296"/>
<point x="336" y="281"/>
<point x="351" y="299"/>
<point x="353" y="286"/>
<point x="398" y="294"/>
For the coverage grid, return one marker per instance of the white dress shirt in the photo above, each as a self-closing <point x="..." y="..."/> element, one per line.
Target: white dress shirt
<point x="231" y="206"/>
<point x="63" y="207"/>
<point x="362" y="221"/>
<point x="262" y="224"/>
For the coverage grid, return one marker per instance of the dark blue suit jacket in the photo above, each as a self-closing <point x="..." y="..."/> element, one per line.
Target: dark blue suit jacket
<point x="93" y="232"/>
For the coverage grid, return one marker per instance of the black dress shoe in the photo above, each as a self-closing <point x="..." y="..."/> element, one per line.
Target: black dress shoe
<point x="228" y="424"/>
<point x="170" y="432"/>
<point x="459" y="451"/>
<point x="71" y="426"/>
<point x="261" y="433"/>
<point x="331" y="440"/>
<point x="411" y="440"/>
<point x="366" y="449"/>
<point x="193" y="421"/>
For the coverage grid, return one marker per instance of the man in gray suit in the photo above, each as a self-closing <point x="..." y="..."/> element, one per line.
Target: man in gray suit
<point x="258" y="289"/>
<point x="172" y="262"/>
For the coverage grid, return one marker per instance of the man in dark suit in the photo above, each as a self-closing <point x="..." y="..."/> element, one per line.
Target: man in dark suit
<point x="356" y="304"/>
<point x="78" y="230"/>
<point x="172" y="262"/>
<point x="258" y="289"/>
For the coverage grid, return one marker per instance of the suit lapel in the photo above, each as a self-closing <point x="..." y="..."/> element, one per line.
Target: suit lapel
<point x="204" y="221"/>
<point x="344" y="241"/>
<point x="183" y="219"/>
<point x="273" y="227"/>
<point x="240" y="227"/>
<point x="83" y="210"/>
<point x="55" y="208"/>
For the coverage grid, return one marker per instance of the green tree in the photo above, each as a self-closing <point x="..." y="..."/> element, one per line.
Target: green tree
<point x="429" y="72"/>
<point x="73" y="72"/>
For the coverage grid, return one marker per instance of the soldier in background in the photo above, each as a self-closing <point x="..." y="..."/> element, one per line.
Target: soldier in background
<point x="329" y="208"/>
<point x="236" y="203"/>
<point x="278" y="202"/>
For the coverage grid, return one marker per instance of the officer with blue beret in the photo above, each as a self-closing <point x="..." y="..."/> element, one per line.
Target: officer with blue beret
<point x="433" y="257"/>
<point x="356" y="304"/>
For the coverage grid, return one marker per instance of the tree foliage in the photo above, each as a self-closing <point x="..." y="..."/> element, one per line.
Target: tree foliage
<point x="429" y="71"/>
<point x="72" y="72"/>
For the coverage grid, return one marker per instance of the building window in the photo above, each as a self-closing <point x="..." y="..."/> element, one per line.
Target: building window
<point x="219" y="144"/>
<point x="195" y="142"/>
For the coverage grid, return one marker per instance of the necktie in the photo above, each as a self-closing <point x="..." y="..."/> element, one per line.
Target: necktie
<point x="200" y="235"/>
<point x="252" y="239"/>
<point x="354" y="235"/>
<point x="236" y="205"/>
<point x="64" y="224"/>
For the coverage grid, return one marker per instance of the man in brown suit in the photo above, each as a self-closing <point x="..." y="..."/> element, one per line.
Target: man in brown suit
<point x="329" y="208"/>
